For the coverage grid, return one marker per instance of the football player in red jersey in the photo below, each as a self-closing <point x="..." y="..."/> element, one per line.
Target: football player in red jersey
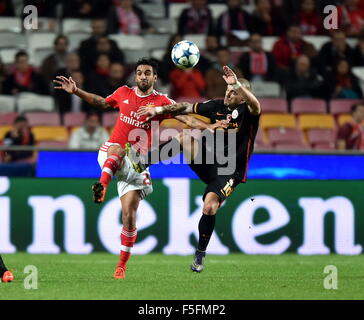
<point x="5" y="274"/>
<point x="132" y="186"/>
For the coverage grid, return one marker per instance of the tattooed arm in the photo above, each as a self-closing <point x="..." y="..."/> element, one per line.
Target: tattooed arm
<point x="69" y="85"/>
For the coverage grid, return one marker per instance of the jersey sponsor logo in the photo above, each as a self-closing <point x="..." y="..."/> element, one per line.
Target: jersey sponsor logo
<point x="228" y="189"/>
<point x="133" y="121"/>
<point x="126" y="101"/>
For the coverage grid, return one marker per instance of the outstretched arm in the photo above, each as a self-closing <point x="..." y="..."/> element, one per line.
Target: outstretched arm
<point x="194" y="123"/>
<point x="69" y="85"/>
<point x="252" y="102"/>
<point x="174" y="109"/>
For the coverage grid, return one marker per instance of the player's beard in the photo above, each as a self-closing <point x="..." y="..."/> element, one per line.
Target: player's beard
<point x="144" y="86"/>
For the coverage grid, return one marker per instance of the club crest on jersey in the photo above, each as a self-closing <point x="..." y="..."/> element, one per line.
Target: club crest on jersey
<point x="235" y="114"/>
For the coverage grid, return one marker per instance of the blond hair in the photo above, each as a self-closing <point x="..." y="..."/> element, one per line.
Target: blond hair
<point x="245" y="83"/>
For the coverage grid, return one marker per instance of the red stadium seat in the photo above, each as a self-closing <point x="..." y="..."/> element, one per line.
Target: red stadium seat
<point x="341" y="106"/>
<point x="262" y="146"/>
<point x="292" y="146"/>
<point x="325" y="146"/>
<point x="321" y="136"/>
<point x="273" y="105"/>
<point x="109" y="119"/>
<point x="285" y="136"/>
<point x="74" y="119"/>
<point x="300" y="106"/>
<point x="43" y="118"/>
<point x="53" y="144"/>
<point x="7" y="118"/>
<point x="260" y="141"/>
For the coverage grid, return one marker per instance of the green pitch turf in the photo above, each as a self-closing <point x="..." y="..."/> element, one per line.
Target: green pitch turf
<point x="157" y="276"/>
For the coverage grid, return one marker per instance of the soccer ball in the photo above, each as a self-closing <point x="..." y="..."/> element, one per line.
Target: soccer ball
<point x="185" y="54"/>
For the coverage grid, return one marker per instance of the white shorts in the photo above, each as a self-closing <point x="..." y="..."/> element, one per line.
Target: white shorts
<point x="127" y="178"/>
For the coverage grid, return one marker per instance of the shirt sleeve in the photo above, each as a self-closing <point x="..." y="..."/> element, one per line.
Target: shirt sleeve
<point x="206" y="108"/>
<point x="113" y="98"/>
<point x="344" y="132"/>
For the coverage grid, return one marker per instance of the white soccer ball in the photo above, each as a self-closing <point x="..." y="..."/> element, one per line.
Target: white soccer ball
<point x="185" y="54"/>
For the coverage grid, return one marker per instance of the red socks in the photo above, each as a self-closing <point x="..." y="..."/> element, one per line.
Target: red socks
<point x="128" y="238"/>
<point x="109" y="169"/>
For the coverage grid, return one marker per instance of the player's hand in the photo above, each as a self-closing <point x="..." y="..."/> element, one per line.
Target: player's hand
<point x="229" y="76"/>
<point x="148" y="112"/>
<point x="218" y="124"/>
<point x="66" y="84"/>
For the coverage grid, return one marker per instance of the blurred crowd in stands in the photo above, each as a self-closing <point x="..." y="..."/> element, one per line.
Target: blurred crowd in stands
<point x="234" y="38"/>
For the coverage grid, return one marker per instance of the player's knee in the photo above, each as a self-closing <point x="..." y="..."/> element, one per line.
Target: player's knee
<point x="116" y="150"/>
<point x="129" y="216"/>
<point x="210" y="208"/>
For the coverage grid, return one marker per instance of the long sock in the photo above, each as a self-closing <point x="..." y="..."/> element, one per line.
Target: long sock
<point x="109" y="168"/>
<point x="3" y="268"/>
<point x="205" y="228"/>
<point x="128" y="238"/>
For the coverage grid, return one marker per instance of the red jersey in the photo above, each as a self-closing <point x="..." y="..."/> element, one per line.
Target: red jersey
<point x="130" y="127"/>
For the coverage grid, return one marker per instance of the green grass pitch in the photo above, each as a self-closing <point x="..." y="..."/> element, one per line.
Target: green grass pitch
<point x="157" y="276"/>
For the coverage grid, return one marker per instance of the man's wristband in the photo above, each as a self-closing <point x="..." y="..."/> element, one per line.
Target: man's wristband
<point x="237" y="85"/>
<point x="159" y="110"/>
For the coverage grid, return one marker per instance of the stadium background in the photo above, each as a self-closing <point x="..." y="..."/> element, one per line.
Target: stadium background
<point x="303" y="195"/>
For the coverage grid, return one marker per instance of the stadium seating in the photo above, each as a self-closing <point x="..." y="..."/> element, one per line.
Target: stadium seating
<point x="73" y="119"/>
<point x="131" y="42"/>
<point x="317" y="41"/>
<point x="46" y="133"/>
<point x="76" y="37"/>
<point x="153" y="10"/>
<point x="7" y="103"/>
<point x="8" y="55"/>
<point x="165" y="25"/>
<point x="40" y="40"/>
<point x="109" y="119"/>
<point x="35" y="102"/>
<point x="341" y="106"/>
<point x="191" y="99"/>
<point x="53" y="144"/>
<point x="10" y="24"/>
<point x="268" y="42"/>
<point x="292" y="146"/>
<point x="43" y="119"/>
<point x="310" y="121"/>
<point x="132" y="55"/>
<point x="3" y="131"/>
<point x="359" y="72"/>
<point x="157" y="54"/>
<point x="321" y="138"/>
<point x="278" y="120"/>
<point x="72" y="25"/>
<point x="10" y="39"/>
<point x="285" y="136"/>
<point x="266" y="89"/>
<point x="272" y="105"/>
<point x="300" y="106"/>
<point x="156" y="41"/>
<point x="344" y="118"/>
<point x="198" y="39"/>
<point x="175" y="9"/>
<point x="325" y="146"/>
<point x="39" y="55"/>
<point x="7" y="118"/>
